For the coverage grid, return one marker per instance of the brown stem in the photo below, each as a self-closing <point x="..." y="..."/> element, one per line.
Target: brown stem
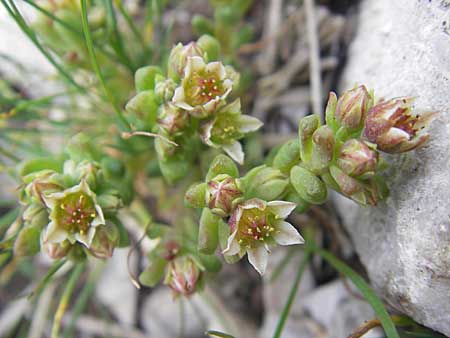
<point x="366" y="327"/>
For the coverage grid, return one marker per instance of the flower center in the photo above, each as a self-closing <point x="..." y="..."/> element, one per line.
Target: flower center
<point x="254" y="228"/>
<point x="203" y="88"/>
<point x="225" y="130"/>
<point x="75" y="212"/>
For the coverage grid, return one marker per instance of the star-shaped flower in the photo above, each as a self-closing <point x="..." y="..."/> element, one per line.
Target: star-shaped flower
<point x="256" y="225"/>
<point x="227" y="127"/>
<point x="74" y="215"/>
<point x="204" y="87"/>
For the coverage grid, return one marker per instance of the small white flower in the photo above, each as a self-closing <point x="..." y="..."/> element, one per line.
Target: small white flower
<point x="256" y="225"/>
<point x="227" y="127"/>
<point x="74" y="215"/>
<point x="204" y="87"/>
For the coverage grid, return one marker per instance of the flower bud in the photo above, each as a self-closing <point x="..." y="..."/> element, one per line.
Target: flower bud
<point x="104" y="242"/>
<point x="309" y="187"/>
<point x="352" y="107"/>
<point x="393" y="128"/>
<point x="182" y="275"/>
<point x="356" y="158"/>
<point x="164" y="89"/>
<point x="365" y="192"/>
<point x="265" y="183"/>
<point x="173" y="119"/>
<point x="178" y="58"/>
<point x="222" y="194"/>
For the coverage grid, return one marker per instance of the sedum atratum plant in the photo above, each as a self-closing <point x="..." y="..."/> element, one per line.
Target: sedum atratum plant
<point x="189" y="104"/>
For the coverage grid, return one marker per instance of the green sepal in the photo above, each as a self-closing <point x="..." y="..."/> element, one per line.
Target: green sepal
<point x="287" y="156"/>
<point x="309" y="187"/>
<point x="153" y="274"/>
<point x="195" y="196"/>
<point x="77" y="254"/>
<point x="27" y="242"/>
<point x="208" y="236"/>
<point x="144" y="78"/>
<point x="222" y="164"/>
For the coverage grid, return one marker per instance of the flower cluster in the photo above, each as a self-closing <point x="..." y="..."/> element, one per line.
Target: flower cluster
<point x="246" y="208"/>
<point x="344" y="154"/>
<point x="70" y="209"/>
<point x="192" y="104"/>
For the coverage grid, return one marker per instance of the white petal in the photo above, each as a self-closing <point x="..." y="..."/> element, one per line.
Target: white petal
<point x="87" y="238"/>
<point x="254" y="203"/>
<point x="54" y="234"/>
<point x="282" y="209"/>
<point x="258" y="258"/>
<point x="211" y="105"/>
<point x="216" y="67"/>
<point x="249" y="123"/>
<point x="235" y="151"/>
<point x="99" y="219"/>
<point x="194" y="64"/>
<point x="205" y="131"/>
<point x="233" y="246"/>
<point x="286" y="234"/>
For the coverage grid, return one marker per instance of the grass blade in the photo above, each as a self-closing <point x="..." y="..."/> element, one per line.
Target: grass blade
<point x="214" y="333"/>
<point x="292" y="294"/>
<point x="53" y="269"/>
<point x="90" y="47"/>
<point x="364" y="288"/>
<point x="64" y="302"/>
<point x="75" y="30"/>
<point x="18" y="18"/>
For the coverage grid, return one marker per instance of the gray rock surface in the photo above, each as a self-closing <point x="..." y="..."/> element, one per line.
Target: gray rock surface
<point x="403" y="48"/>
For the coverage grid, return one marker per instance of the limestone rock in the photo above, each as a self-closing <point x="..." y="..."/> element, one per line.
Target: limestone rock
<point x="403" y="48"/>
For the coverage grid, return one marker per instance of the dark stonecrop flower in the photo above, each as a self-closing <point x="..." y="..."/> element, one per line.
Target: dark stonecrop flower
<point x="393" y="127"/>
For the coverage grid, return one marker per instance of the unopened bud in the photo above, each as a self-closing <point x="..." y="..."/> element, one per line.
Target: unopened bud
<point x="356" y="158"/>
<point x="352" y="107"/>
<point x="183" y="275"/>
<point x="223" y="193"/>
